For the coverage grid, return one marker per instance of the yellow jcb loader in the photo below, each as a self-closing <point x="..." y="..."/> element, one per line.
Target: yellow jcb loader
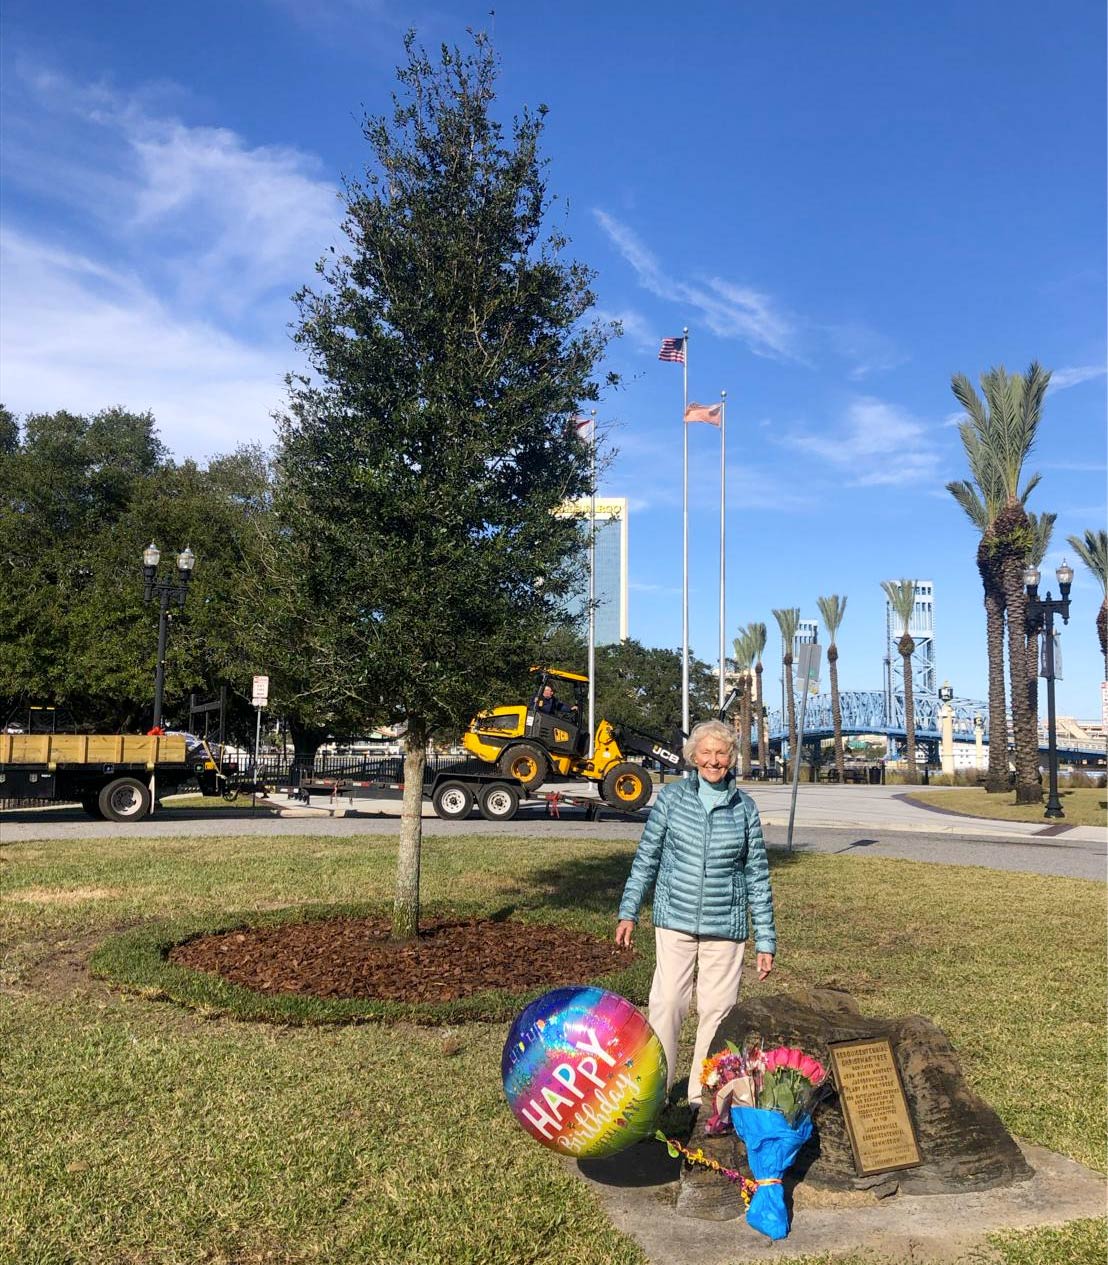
<point x="530" y="745"/>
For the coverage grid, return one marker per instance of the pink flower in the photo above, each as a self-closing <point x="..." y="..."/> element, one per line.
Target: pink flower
<point x="777" y="1057"/>
<point x="793" y="1057"/>
<point x="812" y="1069"/>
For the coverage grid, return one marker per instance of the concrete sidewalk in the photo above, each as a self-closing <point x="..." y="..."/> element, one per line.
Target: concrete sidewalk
<point x="872" y="808"/>
<point x="637" y="1188"/>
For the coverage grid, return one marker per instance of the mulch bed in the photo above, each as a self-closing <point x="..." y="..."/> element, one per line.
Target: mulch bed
<point x="354" y="957"/>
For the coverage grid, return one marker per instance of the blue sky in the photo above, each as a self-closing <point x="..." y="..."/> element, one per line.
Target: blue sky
<point x="846" y="204"/>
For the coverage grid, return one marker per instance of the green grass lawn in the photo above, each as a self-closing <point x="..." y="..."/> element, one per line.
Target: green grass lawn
<point x="135" y="1131"/>
<point x="1084" y="806"/>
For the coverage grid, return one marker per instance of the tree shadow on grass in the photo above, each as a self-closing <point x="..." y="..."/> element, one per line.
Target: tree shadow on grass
<point x="595" y="884"/>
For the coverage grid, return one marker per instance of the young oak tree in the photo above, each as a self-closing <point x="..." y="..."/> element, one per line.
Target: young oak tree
<point x="423" y="456"/>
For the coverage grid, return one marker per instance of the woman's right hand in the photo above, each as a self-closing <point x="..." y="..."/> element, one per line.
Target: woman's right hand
<point x="625" y="929"/>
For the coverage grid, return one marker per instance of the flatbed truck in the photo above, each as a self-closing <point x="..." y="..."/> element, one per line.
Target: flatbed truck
<point x="114" y="776"/>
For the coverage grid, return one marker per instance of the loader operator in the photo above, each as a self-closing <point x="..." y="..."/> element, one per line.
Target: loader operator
<point x="547" y="701"/>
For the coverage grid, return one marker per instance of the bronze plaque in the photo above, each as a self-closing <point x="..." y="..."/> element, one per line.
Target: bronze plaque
<point x="882" y="1135"/>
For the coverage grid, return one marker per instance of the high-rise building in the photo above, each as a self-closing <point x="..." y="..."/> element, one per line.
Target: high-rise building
<point x="611" y="568"/>
<point x="921" y="628"/>
<point x="807" y="630"/>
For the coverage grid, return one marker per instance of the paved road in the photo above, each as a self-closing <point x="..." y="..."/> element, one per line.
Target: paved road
<point x="849" y="821"/>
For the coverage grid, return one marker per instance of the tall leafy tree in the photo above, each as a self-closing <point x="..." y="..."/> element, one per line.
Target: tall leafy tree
<point x="1004" y="421"/>
<point x="902" y="598"/>
<point x="1092" y="549"/>
<point x="833" y="609"/>
<point x="423" y="456"/>
<point x="788" y="620"/>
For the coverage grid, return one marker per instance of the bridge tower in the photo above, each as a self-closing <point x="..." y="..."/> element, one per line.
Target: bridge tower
<point x="922" y="629"/>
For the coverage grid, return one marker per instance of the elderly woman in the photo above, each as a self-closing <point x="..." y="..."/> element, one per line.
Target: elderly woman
<point x="702" y="850"/>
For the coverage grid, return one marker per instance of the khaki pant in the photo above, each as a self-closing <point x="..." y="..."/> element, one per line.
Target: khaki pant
<point x="718" y="964"/>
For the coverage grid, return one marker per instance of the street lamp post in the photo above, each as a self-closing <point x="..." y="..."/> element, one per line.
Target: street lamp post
<point x="1040" y="619"/>
<point x="167" y="591"/>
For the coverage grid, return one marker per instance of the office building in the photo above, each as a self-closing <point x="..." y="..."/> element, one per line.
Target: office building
<point x="611" y="568"/>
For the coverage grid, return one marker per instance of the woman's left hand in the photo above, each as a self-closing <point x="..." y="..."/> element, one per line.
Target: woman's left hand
<point x="765" y="964"/>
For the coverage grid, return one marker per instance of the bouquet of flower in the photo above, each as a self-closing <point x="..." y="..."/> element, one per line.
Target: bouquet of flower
<point x="769" y="1096"/>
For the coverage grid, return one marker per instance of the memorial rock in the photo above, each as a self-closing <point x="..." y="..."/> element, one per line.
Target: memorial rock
<point x="962" y="1142"/>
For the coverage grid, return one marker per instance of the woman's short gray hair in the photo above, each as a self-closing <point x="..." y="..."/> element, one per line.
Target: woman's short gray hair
<point x="711" y="729"/>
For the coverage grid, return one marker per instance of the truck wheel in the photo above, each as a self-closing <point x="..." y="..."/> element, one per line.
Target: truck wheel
<point x="124" y="799"/>
<point x="627" y="786"/>
<point x="91" y="806"/>
<point x="452" y="801"/>
<point x="498" y="801"/>
<point x="525" y="763"/>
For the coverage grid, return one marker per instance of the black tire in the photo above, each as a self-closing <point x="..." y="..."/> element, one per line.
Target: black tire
<point x="91" y="805"/>
<point x="498" y="801"/>
<point x="124" y="799"/>
<point x="524" y="763"/>
<point x="452" y="801"/>
<point x="626" y="786"/>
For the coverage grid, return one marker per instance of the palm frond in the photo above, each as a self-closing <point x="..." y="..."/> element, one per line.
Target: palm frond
<point x="902" y="598"/>
<point x="744" y="649"/>
<point x="832" y="609"/>
<point x="788" y="619"/>
<point x="758" y="640"/>
<point x="1093" y="552"/>
<point x="969" y="498"/>
<point x="1042" y="525"/>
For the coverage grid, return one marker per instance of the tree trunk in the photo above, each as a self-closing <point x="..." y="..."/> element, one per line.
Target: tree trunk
<point x="746" y="684"/>
<point x="906" y="647"/>
<point x="306" y="741"/>
<point x="1029" y="787"/>
<point x="790" y="699"/>
<point x="763" y="722"/>
<point x="1102" y="633"/>
<point x="996" y="779"/>
<point x="405" y="912"/>
<point x="836" y="711"/>
<point x="1032" y="661"/>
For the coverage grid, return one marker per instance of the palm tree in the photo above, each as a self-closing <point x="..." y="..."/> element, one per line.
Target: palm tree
<point x="1093" y="552"/>
<point x="757" y="649"/>
<point x="981" y="501"/>
<point x="833" y="609"/>
<point x="1005" y="425"/>
<point x="744" y="656"/>
<point x="1041" y="527"/>
<point x="902" y="598"/>
<point x="788" y="620"/>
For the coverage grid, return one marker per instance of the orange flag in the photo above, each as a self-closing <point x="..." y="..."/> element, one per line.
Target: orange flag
<point x="710" y="413"/>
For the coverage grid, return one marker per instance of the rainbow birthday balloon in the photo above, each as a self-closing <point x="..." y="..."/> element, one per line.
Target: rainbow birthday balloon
<point x="583" y="1072"/>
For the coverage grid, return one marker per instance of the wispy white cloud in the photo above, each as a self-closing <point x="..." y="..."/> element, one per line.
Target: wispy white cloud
<point x="728" y="309"/>
<point x="1060" y="379"/>
<point x="81" y="337"/>
<point x="153" y="268"/>
<point x="876" y="444"/>
<point x="868" y="350"/>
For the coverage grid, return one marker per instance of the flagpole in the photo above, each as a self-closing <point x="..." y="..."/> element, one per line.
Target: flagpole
<point x="592" y="586"/>
<point x="722" y="544"/>
<point x="685" y="584"/>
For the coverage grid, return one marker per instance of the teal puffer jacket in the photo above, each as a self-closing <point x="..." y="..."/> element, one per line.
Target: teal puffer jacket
<point x="707" y="869"/>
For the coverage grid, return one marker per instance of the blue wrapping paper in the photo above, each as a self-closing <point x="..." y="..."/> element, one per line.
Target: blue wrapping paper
<point x="771" y="1146"/>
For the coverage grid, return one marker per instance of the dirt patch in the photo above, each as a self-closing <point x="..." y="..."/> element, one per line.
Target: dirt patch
<point x="68" y="896"/>
<point x="448" y="960"/>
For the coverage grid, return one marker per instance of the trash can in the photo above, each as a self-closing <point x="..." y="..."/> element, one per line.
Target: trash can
<point x="875" y="775"/>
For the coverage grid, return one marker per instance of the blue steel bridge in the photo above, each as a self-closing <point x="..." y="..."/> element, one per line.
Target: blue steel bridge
<point x="875" y="712"/>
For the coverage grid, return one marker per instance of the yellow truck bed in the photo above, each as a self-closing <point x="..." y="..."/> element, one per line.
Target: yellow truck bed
<point x="54" y="749"/>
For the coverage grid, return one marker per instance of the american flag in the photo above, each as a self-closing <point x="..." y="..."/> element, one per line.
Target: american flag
<point x="673" y="349"/>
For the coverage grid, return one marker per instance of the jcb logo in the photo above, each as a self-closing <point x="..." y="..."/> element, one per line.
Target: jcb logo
<point x="662" y="752"/>
<point x="560" y="735"/>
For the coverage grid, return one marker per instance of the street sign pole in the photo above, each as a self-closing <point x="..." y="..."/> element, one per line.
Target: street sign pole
<point x="260" y="700"/>
<point x="807" y="675"/>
